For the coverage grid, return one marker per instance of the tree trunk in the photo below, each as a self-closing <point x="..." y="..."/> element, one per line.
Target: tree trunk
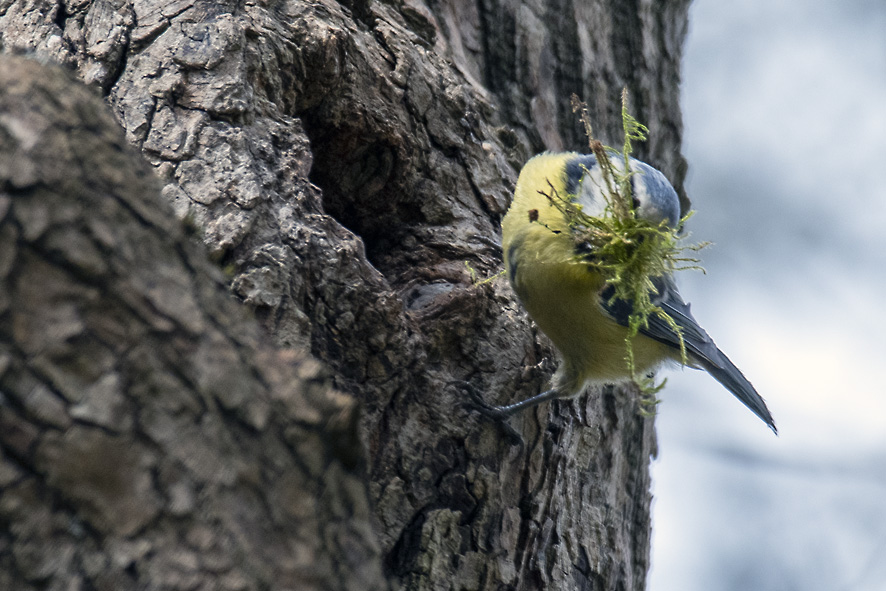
<point x="342" y="162"/>
<point x="151" y="438"/>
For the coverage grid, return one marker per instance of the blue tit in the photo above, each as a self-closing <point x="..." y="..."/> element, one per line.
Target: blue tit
<point x="573" y="305"/>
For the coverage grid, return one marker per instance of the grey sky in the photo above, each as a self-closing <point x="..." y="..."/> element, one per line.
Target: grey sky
<point x="785" y="113"/>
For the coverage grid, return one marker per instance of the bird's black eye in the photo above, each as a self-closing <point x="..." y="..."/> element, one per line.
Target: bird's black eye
<point x="583" y="248"/>
<point x="586" y="252"/>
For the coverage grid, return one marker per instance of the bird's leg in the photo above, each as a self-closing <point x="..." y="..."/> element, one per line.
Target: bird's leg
<point x="505" y="411"/>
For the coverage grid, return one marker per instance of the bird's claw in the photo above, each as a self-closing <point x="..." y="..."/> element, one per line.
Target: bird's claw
<point x="497" y="413"/>
<point x="477" y="402"/>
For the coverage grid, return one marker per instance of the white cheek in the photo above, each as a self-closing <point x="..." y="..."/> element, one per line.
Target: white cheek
<point x="593" y="188"/>
<point x="641" y="196"/>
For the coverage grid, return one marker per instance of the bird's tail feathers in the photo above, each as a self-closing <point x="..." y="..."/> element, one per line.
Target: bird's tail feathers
<point x="724" y="371"/>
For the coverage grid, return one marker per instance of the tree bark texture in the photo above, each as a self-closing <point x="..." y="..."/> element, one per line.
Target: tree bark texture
<point x="151" y="437"/>
<point x="342" y="162"/>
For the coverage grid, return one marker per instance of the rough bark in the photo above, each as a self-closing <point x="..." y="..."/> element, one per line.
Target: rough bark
<point x="342" y="162"/>
<point x="151" y="438"/>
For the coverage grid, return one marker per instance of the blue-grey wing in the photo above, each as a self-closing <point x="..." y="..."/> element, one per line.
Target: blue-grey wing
<point x="700" y="347"/>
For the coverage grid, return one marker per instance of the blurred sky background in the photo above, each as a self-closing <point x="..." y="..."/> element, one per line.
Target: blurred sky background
<point x="784" y="107"/>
